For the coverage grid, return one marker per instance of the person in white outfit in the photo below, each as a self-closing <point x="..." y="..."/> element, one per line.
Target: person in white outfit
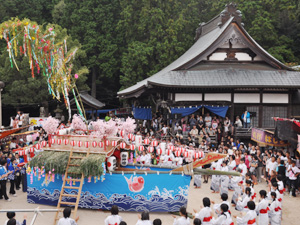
<point x="217" y="207"/>
<point x="205" y="214"/>
<point x="275" y="210"/>
<point x="66" y="220"/>
<point x="250" y="217"/>
<point x="144" y="219"/>
<point x="241" y="205"/>
<point x="236" y="183"/>
<point x="183" y="219"/>
<point x="224" y="179"/>
<point x="224" y="218"/>
<point x="114" y="218"/>
<point x="262" y="209"/>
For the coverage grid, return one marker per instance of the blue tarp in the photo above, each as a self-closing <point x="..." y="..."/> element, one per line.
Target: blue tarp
<point x="142" y="113"/>
<point x="100" y="111"/>
<point x="185" y="111"/>
<point x="218" y="110"/>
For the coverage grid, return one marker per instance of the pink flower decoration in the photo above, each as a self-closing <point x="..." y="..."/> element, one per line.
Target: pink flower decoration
<point x="76" y="76"/>
<point x="50" y="29"/>
<point x="50" y="125"/>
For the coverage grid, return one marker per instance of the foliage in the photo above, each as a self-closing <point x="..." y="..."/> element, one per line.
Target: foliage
<point x="89" y="166"/>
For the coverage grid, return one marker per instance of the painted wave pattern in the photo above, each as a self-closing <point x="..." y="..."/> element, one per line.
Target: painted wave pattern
<point x="158" y="202"/>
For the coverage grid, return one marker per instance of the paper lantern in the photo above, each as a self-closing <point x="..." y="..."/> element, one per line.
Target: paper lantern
<point x="146" y="141"/>
<point x="79" y="143"/>
<point x="177" y="153"/>
<point x="168" y="151"/>
<point x="101" y="144"/>
<point x="130" y="136"/>
<point x="73" y="143"/>
<point x="133" y="138"/>
<point x="151" y="149"/>
<point x="66" y="141"/>
<point x="154" y="143"/>
<point x="31" y="150"/>
<point x="59" y="141"/>
<point x="123" y="145"/>
<point x="171" y="147"/>
<point x="132" y="147"/>
<point x="38" y="146"/>
<point x="196" y="155"/>
<point x="52" y="141"/>
<point x="114" y="143"/>
<point x="159" y="151"/>
<point x="122" y="133"/>
<point x="141" y="148"/>
<point x="186" y="154"/>
<point x="107" y="142"/>
<point x="201" y="154"/>
<point x="87" y="144"/>
<point x="94" y="144"/>
<point x="44" y="143"/>
<point x="22" y="152"/>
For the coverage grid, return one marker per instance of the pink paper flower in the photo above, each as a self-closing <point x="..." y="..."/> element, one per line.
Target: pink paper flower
<point x="50" y="125"/>
<point x="76" y="76"/>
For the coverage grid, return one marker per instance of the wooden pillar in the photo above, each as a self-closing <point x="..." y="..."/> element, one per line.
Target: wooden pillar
<point x="260" y="113"/>
<point x="202" y="110"/>
<point x="232" y="107"/>
<point x="290" y="105"/>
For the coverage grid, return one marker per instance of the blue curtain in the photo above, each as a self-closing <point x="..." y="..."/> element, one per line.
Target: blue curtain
<point x="218" y="110"/>
<point x="100" y="111"/>
<point x="185" y="111"/>
<point x="142" y="113"/>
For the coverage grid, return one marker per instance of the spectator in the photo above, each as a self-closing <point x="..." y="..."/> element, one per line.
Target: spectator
<point x="238" y="122"/>
<point x="207" y="120"/>
<point x="192" y="120"/>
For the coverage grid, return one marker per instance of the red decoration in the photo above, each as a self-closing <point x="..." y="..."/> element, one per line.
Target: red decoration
<point x="107" y="142"/>
<point x="159" y="151"/>
<point x="150" y="149"/>
<point x="168" y="151"/>
<point x="122" y="133"/>
<point x="31" y="150"/>
<point x="59" y="141"/>
<point x="154" y="143"/>
<point x="171" y="147"/>
<point x="114" y="143"/>
<point x="52" y="141"/>
<point x="130" y="136"/>
<point x="146" y="141"/>
<point x="38" y="146"/>
<point x="44" y="143"/>
<point x="73" y="143"/>
<point x="79" y="143"/>
<point x="94" y="144"/>
<point x="101" y="144"/>
<point x="123" y="145"/>
<point x="177" y="153"/>
<point x="186" y="154"/>
<point x="133" y="138"/>
<point x="141" y="148"/>
<point x="66" y="141"/>
<point x="132" y="147"/>
<point x="87" y="144"/>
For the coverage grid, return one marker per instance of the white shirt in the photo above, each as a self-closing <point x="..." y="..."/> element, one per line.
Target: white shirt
<point x="66" y="221"/>
<point x="243" y="167"/>
<point x="293" y="172"/>
<point x="181" y="221"/>
<point x="223" y="220"/>
<point x="144" y="222"/>
<point x="165" y="129"/>
<point x="251" y="215"/>
<point x="204" y="214"/>
<point x="112" y="220"/>
<point x="272" y="167"/>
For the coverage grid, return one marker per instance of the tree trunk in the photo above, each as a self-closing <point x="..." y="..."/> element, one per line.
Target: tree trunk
<point x="94" y="77"/>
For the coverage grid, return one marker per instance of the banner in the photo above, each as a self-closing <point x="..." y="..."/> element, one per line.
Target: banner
<point x="266" y="138"/>
<point x="298" y="146"/>
<point x="130" y="192"/>
<point x="37" y="121"/>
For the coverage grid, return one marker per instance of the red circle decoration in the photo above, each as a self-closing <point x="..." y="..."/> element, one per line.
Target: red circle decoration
<point x="114" y="143"/>
<point x="107" y="142"/>
<point x="31" y="150"/>
<point x="196" y="155"/>
<point x="94" y="144"/>
<point x="122" y="133"/>
<point x="59" y="141"/>
<point x="130" y="136"/>
<point x="79" y="143"/>
<point x="159" y="151"/>
<point x="186" y="154"/>
<point x="123" y="145"/>
<point x="101" y="144"/>
<point x="154" y="143"/>
<point x="87" y="144"/>
<point x="146" y="141"/>
<point x="141" y="148"/>
<point x="168" y="151"/>
<point x="132" y="147"/>
<point x="177" y="153"/>
<point x="171" y="147"/>
<point x="73" y="143"/>
<point x="66" y="141"/>
<point x="150" y="149"/>
<point x="38" y="146"/>
<point x="201" y="154"/>
<point x="52" y="141"/>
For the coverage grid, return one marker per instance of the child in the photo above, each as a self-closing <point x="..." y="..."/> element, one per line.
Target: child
<point x="114" y="218"/>
<point x="3" y="180"/>
<point x="217" y="208"/>
<point x="183" y="220"/>
<point x="274" y="188"/>
<point x="205" y="214"/>
<point x="197" y="221"/>
<point x="224" y="218"/>
<point x="250" y="185"/>
<point x="224" y="179"/>
<point x="156" y="222"/>
<point x="242" y="205"/>
<point x="250" y="217"/>
<point x="243" y="168"/>
<point x="12" y="215"/>
<point x="275" y="210"/>
<point x="281" y="188"/>
<point x="124" y="223"/>
<point x="293" y="174"/>
<point x="144" y="219"/>
<point x="262" y="209"/>
<point x="11" y="177"/>
<point x="215" y="180"/>
<point x="66" y="219"/>
<point x="236" y="183"/>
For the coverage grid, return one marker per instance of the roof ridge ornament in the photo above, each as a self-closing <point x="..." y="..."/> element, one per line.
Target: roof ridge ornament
<point x="231" y="11"/>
